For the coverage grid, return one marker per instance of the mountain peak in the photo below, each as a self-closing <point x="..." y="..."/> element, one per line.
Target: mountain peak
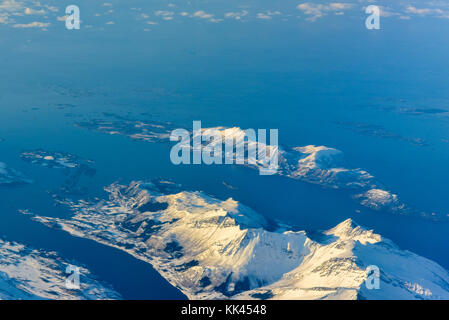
<point x="349" y="229"/>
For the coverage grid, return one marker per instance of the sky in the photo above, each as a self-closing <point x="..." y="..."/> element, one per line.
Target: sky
<point x="155" y="16"/>
<point x="243" y="57"/>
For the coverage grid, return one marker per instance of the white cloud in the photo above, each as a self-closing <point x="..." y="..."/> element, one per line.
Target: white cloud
<point x="165" y="15"/>
<point x="437" y="12"/>
<point x="423" y="11"/>
<point x="12" y="9"/>
<point x="10" y="5"/>
<point x="268" y="14"/>
<point x="29" y="11"/>
<point x="263" y="16"/>
<point x="9" y="8"/>
<point x="204" y="15"/>
<point x="387" y="12"/>
<point x="162" y="13"/>
<point x="51" y="8"/>
<point x="316" y="11"/>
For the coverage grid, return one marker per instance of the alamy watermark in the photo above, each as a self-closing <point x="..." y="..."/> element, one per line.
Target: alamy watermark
<point x="226" y="146"/>
<point x="72" y="18"/>
<point x="373" y="20"/>
<point x="372" y="281"/>
<point x="73" y="21"/>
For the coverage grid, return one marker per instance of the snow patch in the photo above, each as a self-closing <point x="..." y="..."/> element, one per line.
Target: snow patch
<point x="31" y="274"/>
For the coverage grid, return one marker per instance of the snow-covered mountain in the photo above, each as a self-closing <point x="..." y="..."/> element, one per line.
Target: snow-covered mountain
<point x="211" y="249"/>
<point x="31" y="274"/>
<point x="325" y="166"/>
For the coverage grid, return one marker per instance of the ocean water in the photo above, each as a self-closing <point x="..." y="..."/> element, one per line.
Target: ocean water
<point x="330" y="82"/>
